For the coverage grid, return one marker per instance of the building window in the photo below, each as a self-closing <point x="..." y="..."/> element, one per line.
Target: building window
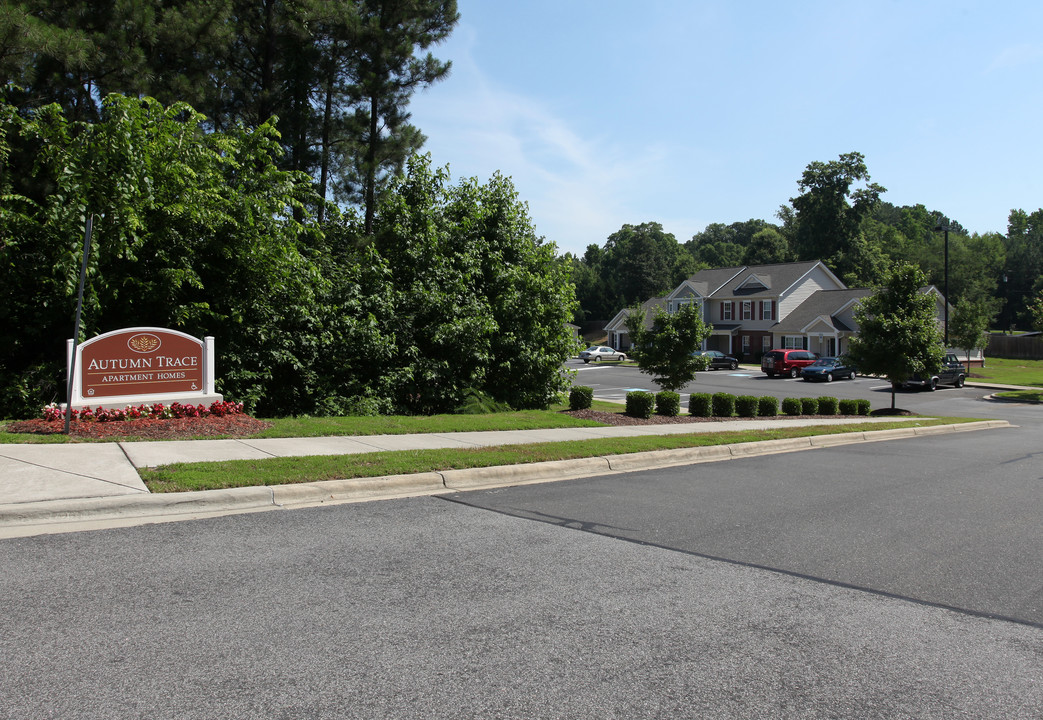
<point x="747" y="310"/>
<point x="766" y="343"/>
<point x="726" y="310"/>
<point x="792" y="342"/>
<point x="766" y="310"/>
<point x="745" y="344"/>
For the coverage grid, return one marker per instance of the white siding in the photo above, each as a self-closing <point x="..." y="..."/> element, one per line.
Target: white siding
<point x="816" y="279"/>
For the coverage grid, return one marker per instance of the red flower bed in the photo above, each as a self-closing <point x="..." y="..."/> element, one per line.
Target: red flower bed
<point x="150" y="422"/>
<point x="238" y="425"/>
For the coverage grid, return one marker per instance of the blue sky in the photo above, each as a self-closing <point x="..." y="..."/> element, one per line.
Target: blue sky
<point x="690" y="113"/>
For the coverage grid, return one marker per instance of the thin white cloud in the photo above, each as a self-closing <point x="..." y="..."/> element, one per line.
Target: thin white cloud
<point x="1016" y="56"/>
<point x="577" y="185"/>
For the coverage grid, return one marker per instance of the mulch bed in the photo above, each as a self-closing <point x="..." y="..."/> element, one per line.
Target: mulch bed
<point x="142" y="429"/>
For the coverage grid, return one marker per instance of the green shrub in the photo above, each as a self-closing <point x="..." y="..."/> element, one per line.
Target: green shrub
<point x="700" y="404"/>
<point x="809" y="406"/>
<point x="723" y="404"/>
<point x="848" y="407"/>
<point x="668" y="403"/>
<point x="476" y="402"/>
<point x="768" y="406"/>
<point x="863" y="406"/>
<point x="746" y="406"/>
<point x="640" y="404"/>
<point x="828" y="405"/>
<point x="791" y="406"/>
<point x="581" y="397"/>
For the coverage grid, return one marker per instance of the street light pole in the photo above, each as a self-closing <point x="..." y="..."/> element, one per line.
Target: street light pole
<point x="945" y="289"/>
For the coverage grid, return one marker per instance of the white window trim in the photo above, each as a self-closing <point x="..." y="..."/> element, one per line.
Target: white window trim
<point x="766" y="309"/>
<point x="726" y="310"/>
<point x="747" y="310"/>
<point x="792" y="342"/>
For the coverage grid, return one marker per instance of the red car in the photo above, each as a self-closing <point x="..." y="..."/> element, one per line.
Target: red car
<point x="786" y="362"/>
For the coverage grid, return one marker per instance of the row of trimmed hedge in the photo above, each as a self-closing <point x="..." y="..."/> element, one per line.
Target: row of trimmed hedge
<point x="642" y="404"/>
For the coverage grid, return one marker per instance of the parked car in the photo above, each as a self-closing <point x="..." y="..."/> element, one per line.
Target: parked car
<point x="786" y="362"/>
<point x="827" y="369"/>
<point x="952" y="373"/>
<point x="719" y="360"/>
<point x="597" y="353"/>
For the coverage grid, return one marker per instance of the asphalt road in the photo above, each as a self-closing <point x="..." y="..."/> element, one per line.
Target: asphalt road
<point x="888" y="580"/>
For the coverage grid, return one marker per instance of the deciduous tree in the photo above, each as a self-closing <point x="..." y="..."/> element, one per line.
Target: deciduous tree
<point x="969" y="322"/>
<point x="898" y="335"/>
<point x="666" y="350"/>
<point x="827" y="215"/>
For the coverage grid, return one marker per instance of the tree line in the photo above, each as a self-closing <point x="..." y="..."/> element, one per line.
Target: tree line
<point x="337" y="74"/>
<point x="208" y="138"/>
<point x="838" y="217"/>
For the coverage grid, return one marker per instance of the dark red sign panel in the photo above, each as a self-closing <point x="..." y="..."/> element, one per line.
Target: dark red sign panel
<point x="141" y="362"/>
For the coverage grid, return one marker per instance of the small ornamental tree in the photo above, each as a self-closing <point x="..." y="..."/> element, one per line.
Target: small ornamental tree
<point x="968" y="324"/>
<point x="898" y="335"/>
<point x="666" y="349"/>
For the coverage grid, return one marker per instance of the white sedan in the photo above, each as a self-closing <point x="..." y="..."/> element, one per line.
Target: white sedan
<point x="597" y="353"/>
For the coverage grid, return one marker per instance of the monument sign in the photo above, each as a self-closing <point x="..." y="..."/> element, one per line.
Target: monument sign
<point x="143" y="365"/>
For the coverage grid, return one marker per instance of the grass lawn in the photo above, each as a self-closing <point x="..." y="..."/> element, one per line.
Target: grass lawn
<point x="1009" y="372"/>
<point x="278" y="471"/>
<point x="1028" y="396"/>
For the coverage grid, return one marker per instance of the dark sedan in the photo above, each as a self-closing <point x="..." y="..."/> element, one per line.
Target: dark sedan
<point x="719" y="361"/>
<point x="827" y="369"/>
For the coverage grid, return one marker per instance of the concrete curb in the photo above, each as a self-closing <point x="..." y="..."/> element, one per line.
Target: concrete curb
<point x="89" y="513"/>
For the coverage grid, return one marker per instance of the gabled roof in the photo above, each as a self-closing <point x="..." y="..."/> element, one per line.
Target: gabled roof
<point x="707" y="282"/>
<point x="753" y="280"/>
<point x="821" y="304"/>
<point x="647" y="307"/>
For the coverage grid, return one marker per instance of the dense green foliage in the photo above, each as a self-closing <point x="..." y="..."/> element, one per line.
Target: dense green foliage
<point x="747" y="405"/>
<point x="454" y="299"/>
<point x="640" y="404"/>
<point x="768" y="406"/>
<point x="700" y="404"/>
<point x="828" y="405"/>
<point x="193" y="230"/>
<point x="847" y="406"/>
<point x="581" y="397"/>
<point x="898" y="333"/>
<point x="723" y="404"/>
<point x="667" y="403"/>
<point x="638" y="262"/>
<point x="479" y="300"/>
<point x="969" y="323"/>
<point x="666" y="350"/>
<point x="808" y="406"/>
<point x="791" y="406"/>
<point x="838" y="217"/>
<point x="338" y="74"/>
<point x="826" y="219"/>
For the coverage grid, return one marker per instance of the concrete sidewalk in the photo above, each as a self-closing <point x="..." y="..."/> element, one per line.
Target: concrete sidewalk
<point x="58" y="488"/>
<point x="32" y="473"/>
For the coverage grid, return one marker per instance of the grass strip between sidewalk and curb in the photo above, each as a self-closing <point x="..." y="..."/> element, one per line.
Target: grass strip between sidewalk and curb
<point x="183" y="477"/>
